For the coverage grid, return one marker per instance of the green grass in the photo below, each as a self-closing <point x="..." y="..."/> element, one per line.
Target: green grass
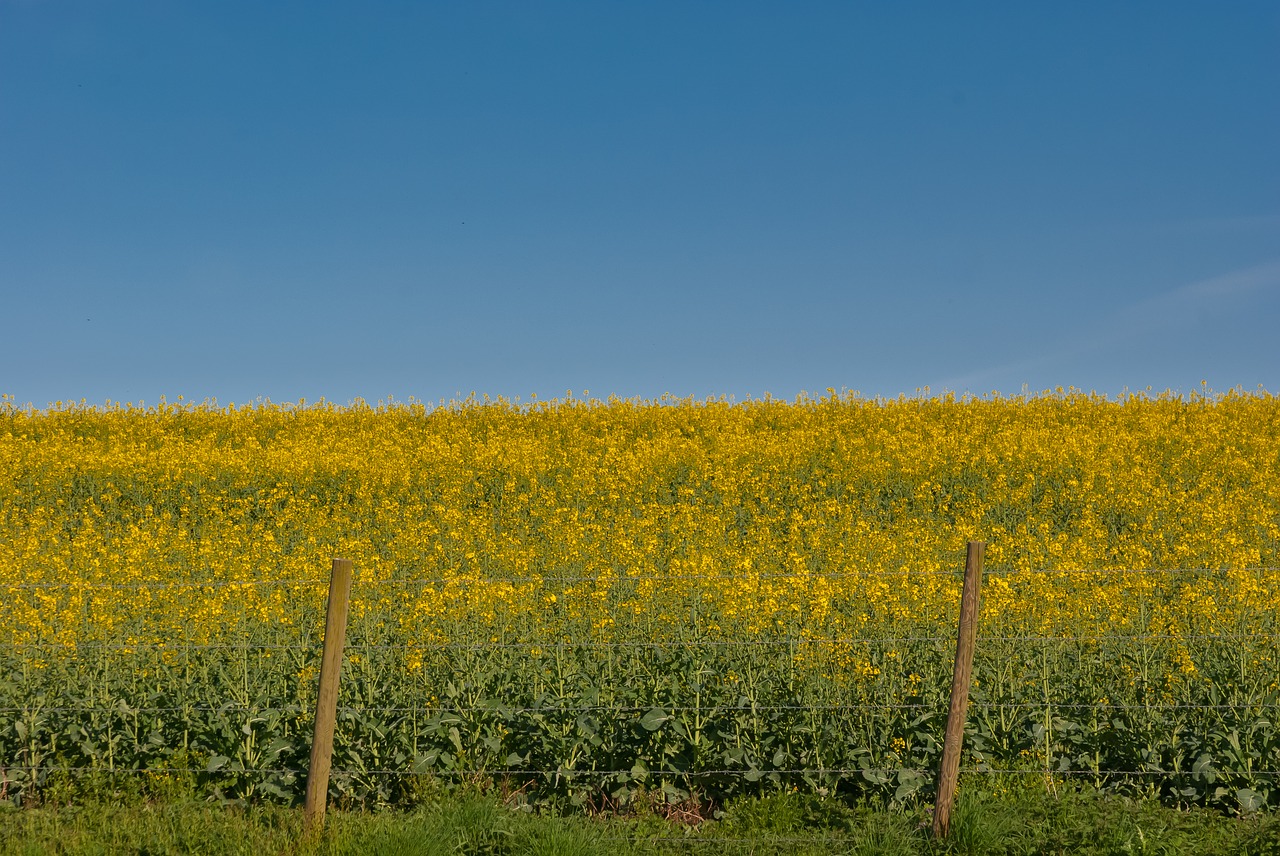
<point x="1028" y="822"/>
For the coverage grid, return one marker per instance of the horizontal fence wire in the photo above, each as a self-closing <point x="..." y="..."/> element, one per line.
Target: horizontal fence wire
<point x="1012" y="572"/>
<point x="636" y="774"/>
<point x="496" y="708"/>
<point x="463" y="579"/>
<point x="164" y="585"/>
<point x="798" y="641"/>
<point x="124" y="708"/>
<point x="623" y="577"/>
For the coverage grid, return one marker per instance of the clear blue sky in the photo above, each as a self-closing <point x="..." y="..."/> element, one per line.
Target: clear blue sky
<point x="241" y="200"/>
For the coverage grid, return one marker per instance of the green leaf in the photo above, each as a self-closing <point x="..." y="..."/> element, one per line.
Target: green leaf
<point x="875" y="776"/>
<point x="1250" y="800"/>
<point x="905" y="790"/>
<point x="654" y="719"/>
<point x="426" y="761"/>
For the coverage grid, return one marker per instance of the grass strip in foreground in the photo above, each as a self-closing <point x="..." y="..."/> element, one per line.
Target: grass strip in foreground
<point x="1071" y="822"/>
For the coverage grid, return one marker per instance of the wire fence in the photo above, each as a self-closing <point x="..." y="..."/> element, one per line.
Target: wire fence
<point x="1250" y="767"/>
<point x="600" y="708"/>
<point x="571" y="773"/>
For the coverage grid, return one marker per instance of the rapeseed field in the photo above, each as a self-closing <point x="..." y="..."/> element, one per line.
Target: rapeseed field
<point x="586" y="600"/>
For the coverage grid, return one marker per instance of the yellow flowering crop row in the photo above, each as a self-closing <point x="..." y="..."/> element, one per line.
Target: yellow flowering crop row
<point x="819" y="518"/>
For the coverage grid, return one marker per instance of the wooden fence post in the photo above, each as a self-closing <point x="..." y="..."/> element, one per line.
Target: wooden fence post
<point x="335" y="634"/>
<point x="966" y="640"/>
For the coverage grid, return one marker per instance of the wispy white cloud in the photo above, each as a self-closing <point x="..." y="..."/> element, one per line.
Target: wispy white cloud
<point x="1185" y="304"/>
<point x="1258" y="277"/>
<point x="1163" y="313"/>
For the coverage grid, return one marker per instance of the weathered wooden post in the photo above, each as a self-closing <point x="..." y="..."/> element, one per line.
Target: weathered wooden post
<point x="335" y="635"/>
<point x="961" y="676"/>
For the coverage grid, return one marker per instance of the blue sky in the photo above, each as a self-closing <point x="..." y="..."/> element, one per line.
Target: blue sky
<point x="284" y="200"/>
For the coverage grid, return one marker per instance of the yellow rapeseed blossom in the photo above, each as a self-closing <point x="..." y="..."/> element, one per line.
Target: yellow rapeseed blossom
<point x="831" y="518"/>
